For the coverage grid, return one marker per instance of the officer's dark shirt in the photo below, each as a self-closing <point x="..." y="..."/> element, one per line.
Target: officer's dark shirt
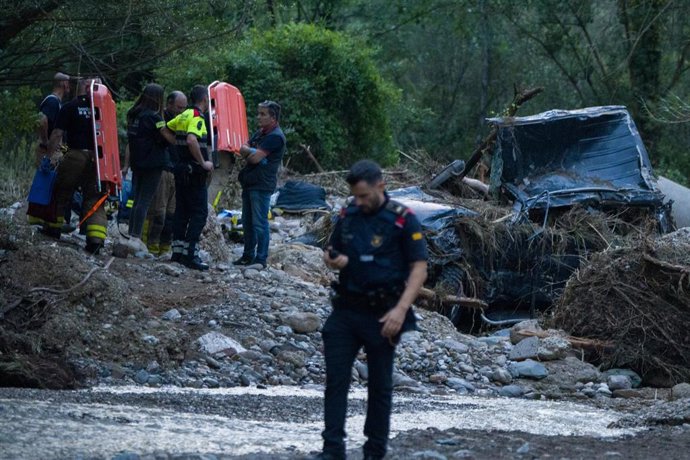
<point x="170" y="150"/>
<point x="50" y="107"/>
<point x="263" y="176"/>
<point x="147" y="147"/>
<point x="74" y="118"/>
<point x="380" y="247"/>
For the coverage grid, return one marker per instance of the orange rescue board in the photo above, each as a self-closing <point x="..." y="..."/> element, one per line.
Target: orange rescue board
<point x="228" y="117"/>
<point x="104" y="119"/>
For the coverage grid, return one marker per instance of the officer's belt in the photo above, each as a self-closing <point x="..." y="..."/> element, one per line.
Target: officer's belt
<point x="375" y="300"/>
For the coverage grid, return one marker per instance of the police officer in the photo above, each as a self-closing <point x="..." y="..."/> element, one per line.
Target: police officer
<point x="78" y="167"/>
<point x="191" y="175"/>
<point x="378" y="246"/>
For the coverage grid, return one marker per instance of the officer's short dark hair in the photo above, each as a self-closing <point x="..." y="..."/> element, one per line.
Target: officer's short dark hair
<point x="197" y="94"/>
<point x="364" y="170"/>
<point x="273" y="108"/>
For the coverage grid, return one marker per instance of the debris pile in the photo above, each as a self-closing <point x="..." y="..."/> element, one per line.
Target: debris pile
<point x="636" y="297"/>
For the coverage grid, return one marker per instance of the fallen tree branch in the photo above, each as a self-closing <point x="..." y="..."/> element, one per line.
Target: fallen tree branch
<point x="307" y="150"/>
<point x="575" y="342"/>
<point x="76" y="286"/>
<point x="661" y="263"/>
<point x="467" y="302"/>
<point x="519" y="98"/>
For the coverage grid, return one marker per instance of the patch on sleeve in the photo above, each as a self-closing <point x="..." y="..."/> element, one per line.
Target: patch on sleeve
<point x="416" y="236"/>
<point x="199" y="125"/>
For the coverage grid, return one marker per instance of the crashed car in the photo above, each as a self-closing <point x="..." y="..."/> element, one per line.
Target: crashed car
<point x="544" y="166"/>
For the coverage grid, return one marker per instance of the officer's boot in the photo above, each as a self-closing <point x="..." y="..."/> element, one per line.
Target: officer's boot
<point x="192" y="259"/>
<point x="178" y="248"/>
<point x="93" y="245"/>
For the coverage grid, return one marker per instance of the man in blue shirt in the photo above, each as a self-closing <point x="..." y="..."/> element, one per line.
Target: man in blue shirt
<point x="263" y="155"/>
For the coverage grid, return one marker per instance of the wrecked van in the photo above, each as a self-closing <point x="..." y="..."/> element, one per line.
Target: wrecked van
<point x="576" y="182"/>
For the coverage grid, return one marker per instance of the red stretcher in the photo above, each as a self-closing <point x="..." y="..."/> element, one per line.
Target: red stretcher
<point x="228" y="117"/>
<point x="104" y="119"/>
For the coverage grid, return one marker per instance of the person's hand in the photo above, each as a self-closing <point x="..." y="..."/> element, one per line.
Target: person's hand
<point x="393" y="321"/>
<point x="207" y="165"/>
<point x="55" y="158"/>
<point x="338" y="262"/>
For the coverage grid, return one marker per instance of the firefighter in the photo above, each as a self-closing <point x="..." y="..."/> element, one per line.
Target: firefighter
<point x="191" y="178"/>
<point x="77" y="168"/>
<point x="160" y="216"/>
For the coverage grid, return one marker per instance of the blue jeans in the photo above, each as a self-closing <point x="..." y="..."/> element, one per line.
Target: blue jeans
<point x="257" y="235"/>
<point x="345" y="331"/>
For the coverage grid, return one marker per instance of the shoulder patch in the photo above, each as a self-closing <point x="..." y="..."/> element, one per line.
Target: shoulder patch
<point x="199" y="125"/>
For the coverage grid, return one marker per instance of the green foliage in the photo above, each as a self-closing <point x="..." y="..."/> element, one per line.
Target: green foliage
<point x="17" y="143"/>
<point x="333" y="97"/>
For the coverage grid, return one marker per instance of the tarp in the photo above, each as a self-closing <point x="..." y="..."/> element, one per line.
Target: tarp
<point x="301" y="196"/>
<point x="564" y="157"/>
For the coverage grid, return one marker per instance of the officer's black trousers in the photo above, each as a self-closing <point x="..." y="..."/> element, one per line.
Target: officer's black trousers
<point x="345" y="331"/>
<point x="191" y="207"/>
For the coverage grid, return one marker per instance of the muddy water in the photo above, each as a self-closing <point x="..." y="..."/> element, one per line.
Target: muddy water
<point x="49" y="427"/>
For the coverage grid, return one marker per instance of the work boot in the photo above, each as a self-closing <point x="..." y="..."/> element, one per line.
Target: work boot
<point x="178" y="250"/>
<point x="244" y="260"/>
<point x="154" y="248"/>
<point x="67" y="228"/>
<point x="52" y="232"/>
<point x="93" y="245"/>
<point x="192" y="260"/>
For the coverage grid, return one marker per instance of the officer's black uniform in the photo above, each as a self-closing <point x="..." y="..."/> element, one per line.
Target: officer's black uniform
<point x="191" y="194"/>
<point x="380" y="247"/>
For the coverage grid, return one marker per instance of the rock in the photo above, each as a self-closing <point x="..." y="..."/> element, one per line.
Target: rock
<point x="635" y="379"/>
<point x="531" y="325"/>
<point x="523" y="449"/>
<point x="362" y="370"/>
<point x="528" y="369"/>
<point x="304" y="323"/>
<point x="141" y="377"/>
<point x="215" y="342"/>
<point x="171" y="315"/>
<point x="120" y="250"/>
<point x="571" y="370"/>
<point x="438" y="378"/>
<point x="292" y="357"/>
<point x="455" y="345"/>
<point x="501" y="375"/>
<point x="460" y="385"/>
<point x="429" y="455"/>
<point x="401" y="380"/>
<point x="171" y="270"/>
<point x="619" y="382"/>
<point x="680" y="391"/>
<point x="511" y="391"/>
<point x="527" y="348"/>
<point x="150" y="339"/>
<point x="627" y="394"/>
<point x="552" y="347"/>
